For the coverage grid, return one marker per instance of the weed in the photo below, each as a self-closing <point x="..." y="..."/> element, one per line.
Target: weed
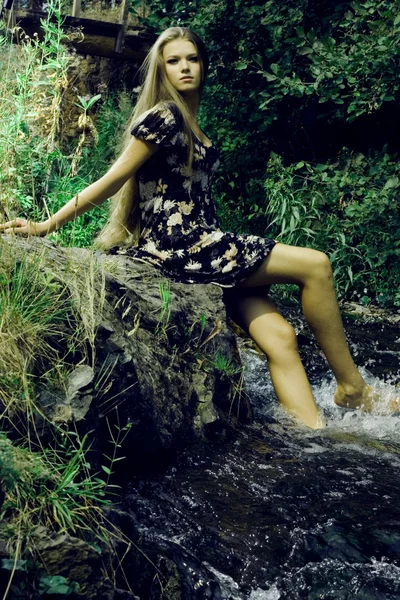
<point x="224" y="365"/>
<point x="33" y="308"/>
<point x="116" y="441"/>
<point x="86" y="126"/>
<point x="165" y="313"/>
<point x="52" y="490"/>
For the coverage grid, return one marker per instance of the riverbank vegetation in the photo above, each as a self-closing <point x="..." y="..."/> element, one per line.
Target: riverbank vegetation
<point x="48" y="486"/>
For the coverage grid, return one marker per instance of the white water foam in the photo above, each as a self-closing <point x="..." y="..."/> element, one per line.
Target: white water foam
<point x="271" y="594"/>
<point x="379" y="424"/>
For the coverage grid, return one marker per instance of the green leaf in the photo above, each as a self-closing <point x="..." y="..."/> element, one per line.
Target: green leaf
<point x="305" y="50"/>
<point x="269" y="76"/>
<point x="258" y="59"/>
<point x="391" y="183"/>
<point x="311" y="36"/>
<point x="106" y="469"/>
<point x="93" y="100"/>
<point x="240" y="66"/>
<point x="57" y="584"/>
<point x="8" y="564"/>
<point x="350" y="273"/>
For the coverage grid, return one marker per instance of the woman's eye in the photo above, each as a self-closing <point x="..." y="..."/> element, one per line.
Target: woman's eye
<point x="194" y="58"/>
<point x="171" y="61"/>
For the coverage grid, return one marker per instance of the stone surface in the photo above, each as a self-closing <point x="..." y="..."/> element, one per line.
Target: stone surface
<point x="151" y="348"/>
<point x="77" y="561"/>
<point x="80" y="378"/>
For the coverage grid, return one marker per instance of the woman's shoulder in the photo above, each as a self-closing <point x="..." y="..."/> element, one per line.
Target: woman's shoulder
<point x="160" y="124"/>
<point x="168" y="107"/>
<point x="166" y="112"/>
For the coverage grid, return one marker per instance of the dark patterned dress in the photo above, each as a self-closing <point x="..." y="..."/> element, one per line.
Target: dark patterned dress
<point x="180" y="233"/>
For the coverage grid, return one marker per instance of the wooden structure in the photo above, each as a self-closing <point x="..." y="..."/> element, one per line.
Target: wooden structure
<point x="99" y="38"/>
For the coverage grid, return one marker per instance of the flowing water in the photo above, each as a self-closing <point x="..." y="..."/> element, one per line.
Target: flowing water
<point x="275" y="511"/>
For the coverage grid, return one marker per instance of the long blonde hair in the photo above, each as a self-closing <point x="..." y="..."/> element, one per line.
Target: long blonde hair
<point x="123" y="227"/>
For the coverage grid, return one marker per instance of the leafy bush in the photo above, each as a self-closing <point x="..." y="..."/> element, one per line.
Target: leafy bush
<point x="347" y="208"/>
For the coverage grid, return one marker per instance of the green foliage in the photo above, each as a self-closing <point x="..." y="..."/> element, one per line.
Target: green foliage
<point x="33" y="80"/>
<point x="165" y="313"/>
<point x="350" y="64"/>
<point x="347" y="208"/>
<point x="224" y="364"/>
<point x="111" y="119"/>
<point x="39" y="172"/>
<point x="49" y="487"/>
<point x="86" y="104"/>
<point x="54" y="487"/>
<point x="33" y="306"/>
<point x="57" y="584"/>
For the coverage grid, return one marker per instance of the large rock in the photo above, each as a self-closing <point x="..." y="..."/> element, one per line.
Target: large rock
<point x="155" y="356"/>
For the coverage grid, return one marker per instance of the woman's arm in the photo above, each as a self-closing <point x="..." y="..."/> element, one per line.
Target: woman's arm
<point x="136" y="153"/>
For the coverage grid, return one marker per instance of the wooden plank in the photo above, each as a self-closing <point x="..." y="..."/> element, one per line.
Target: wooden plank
<point x="123" y="19"/>
<point x="76" y="8"/>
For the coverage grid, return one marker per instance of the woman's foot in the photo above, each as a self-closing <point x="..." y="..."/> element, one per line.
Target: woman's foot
<point x="364" y="399"/>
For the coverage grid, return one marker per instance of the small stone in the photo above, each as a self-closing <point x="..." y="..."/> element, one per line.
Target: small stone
<point x="80" y="377"/>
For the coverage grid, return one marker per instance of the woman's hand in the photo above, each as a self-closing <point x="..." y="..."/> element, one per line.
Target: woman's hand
<point x="25" y="228"/>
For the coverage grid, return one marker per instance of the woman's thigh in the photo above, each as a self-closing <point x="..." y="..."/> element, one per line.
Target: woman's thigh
<point x="287" y="264"/>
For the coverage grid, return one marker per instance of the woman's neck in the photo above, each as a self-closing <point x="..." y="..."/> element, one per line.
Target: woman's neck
<point x="192" y="101"/>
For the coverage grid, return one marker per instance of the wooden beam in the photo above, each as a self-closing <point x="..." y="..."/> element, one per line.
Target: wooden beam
<point x="76" y="8"/>
<point x="123" y="19"/>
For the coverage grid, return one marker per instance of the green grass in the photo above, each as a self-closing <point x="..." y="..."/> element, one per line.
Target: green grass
<point x="224" y="364"/>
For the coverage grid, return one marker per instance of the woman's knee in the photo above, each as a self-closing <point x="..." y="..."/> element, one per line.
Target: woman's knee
<point x="286" y="336"/>
<point x="321" y="268"/>
<point x="280" y="339"/>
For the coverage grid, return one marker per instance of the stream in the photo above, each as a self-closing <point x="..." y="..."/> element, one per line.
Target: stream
<point x="274" y="511"/>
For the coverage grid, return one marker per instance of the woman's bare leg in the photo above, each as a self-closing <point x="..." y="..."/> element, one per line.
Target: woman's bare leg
<point x="277" y="339"/>
<point x="311" y="270"/>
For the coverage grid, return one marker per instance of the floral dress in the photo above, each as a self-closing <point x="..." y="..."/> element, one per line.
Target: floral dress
<point x="180" y="234"/>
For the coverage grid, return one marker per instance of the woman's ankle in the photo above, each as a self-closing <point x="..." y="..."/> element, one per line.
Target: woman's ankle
<point x="350" y="396"/>
<point x="353" y="386"/>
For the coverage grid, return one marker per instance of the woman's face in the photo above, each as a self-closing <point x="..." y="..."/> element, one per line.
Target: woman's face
<point x="182" y="66"/>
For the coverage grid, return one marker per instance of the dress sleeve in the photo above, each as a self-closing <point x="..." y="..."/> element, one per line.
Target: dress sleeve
<point x="159" y="125"/>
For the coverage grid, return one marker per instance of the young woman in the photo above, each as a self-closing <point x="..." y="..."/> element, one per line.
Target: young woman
<point x="163" y="214"/>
